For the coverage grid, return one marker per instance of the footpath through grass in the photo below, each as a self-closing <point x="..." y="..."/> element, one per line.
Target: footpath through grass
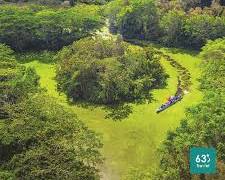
<point x="132" y="143"/>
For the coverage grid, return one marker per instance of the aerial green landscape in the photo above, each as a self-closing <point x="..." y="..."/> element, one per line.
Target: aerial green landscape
<point x="111" y="89"/>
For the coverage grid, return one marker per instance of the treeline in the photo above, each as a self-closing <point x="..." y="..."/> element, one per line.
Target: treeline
<point x="187" y="5"/>
<point x="35" y="27"/>
<point x="108" y="72"/>
<point x="167" y="25"/>
<point x="40" y="139"/>
<point x="204" y="125"/>
<point x="56" y="2"/>
<point x="184" y="24"/>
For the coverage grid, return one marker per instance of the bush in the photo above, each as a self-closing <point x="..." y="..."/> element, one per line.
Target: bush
<point x="16" y="82"/>
<point x="214" y="72"/>
<point x="107" y="72"/>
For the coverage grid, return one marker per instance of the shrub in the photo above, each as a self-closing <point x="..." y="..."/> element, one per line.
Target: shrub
<point x="214" y="72"/>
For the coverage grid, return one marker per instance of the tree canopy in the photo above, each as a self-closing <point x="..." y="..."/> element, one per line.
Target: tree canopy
<point x="170" y="26"/>
<point x="38" y="28"/>
<point x="57" y="2"/>
<point x="107" y="71"/>
<point x="40" y="139"/>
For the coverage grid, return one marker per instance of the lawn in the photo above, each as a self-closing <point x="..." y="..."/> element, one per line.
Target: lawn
<point x="133" y="142"/>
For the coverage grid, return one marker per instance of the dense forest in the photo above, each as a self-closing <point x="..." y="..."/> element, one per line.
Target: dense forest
<point x="80" y="81"/>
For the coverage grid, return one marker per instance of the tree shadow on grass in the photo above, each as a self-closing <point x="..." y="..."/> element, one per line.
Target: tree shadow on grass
<point x="190" y="52"/>
<point x="116" y="112"/>
<point x="84" y="104"/>
<point x="121" y="111"/>
<point x="47" y="57"/>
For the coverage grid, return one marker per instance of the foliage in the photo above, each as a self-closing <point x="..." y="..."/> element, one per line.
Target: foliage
<point x="188" y="4"/>
<point x="15" y="80"/>
<point x="104" y="71"/>
<point x="141" y="21"/>
<point x="214" y="71"/>
<point x="58" y="2"/>
<point x="43" y="140"/>
<point x="39" y="138"/>
<point x="191" y="31"/>
<point x="135" y="19"/>
<point x="37" y="28"/>
<point x="192" y="4"/>
<point x="42" y="56"/>
<point x="167" y="5"/>
<point x="200" y="28"/>
<point x="176" y="28"/>
<point x="204" y="124"/>
<point x="172" y="26"/>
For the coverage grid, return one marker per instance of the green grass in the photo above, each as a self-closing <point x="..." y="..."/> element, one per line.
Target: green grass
<point x="133" y="142"/>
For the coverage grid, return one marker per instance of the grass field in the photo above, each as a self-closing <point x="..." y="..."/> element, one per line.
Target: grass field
<point x="133" y="142"/>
